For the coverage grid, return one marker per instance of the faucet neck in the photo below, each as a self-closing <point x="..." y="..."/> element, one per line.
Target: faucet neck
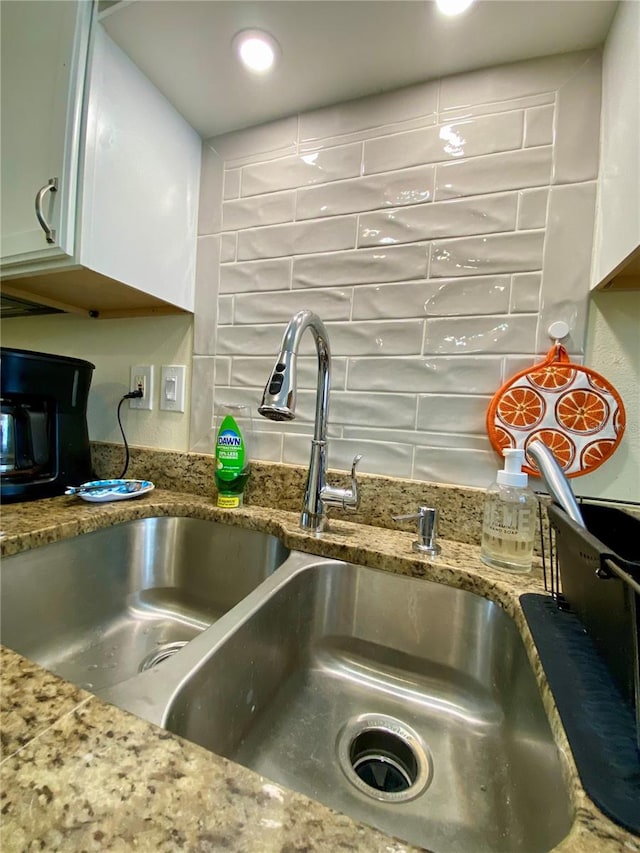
<point x="298" y="324"/>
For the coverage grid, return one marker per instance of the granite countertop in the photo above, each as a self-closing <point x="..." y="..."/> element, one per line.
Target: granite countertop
<point x="78" y="774"/>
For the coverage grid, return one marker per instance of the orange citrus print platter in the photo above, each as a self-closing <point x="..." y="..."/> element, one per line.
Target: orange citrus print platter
<point x="570" y="408"/>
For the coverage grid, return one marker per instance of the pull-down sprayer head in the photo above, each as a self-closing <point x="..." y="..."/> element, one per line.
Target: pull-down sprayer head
<point x="279" y="397"/>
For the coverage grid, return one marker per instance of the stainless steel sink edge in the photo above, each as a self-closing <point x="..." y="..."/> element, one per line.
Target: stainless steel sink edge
<point x="148" y="695"/>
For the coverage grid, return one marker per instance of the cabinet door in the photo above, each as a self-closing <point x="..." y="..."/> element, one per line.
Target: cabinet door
<point x="43" y="54"/>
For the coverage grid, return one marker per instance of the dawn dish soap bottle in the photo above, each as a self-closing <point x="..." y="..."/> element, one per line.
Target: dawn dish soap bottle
<point x="233" y="428"/>
<point x="508" y="527"/>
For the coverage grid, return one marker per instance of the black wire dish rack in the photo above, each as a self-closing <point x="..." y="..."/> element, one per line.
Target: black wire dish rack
<point x="587" y="633"/>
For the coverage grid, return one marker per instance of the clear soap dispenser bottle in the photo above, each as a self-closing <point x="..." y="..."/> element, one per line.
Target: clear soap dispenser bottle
<point x="508" y="527"/>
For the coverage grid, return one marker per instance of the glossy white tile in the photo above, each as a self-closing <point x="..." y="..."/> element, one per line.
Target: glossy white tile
<point x="267" y="446"/>
<point x="228" y="245"/>
<point x="456" y="466"/>
<point x="504" y="82"/>
<point x="453" y="412"/>
<point x="419" y="438"/>
<point x="201" y="432"/>
<point x="298" y="238"/>
<point x="525" y="292"/>
<point x="225" y="310"/>
<point x="496" y="172"/>
<point x="481" y="215"/>
<point x="442" y="297"/>
<point x="222" y="371"/>
<point x="315" y="167"/>
<point x="256" y="370"/>
<point x="391" y="189"/>
<point x="393" y="337"/>
<point x="421" y="375"/>
<point x="231" y="183"/>
<point x="271" y="274"/>
<point x="532" y="209"/>
<point x="467" y="138"/>
<point x="206" y="295"/>
<point x="257" y="143"/>
<point x="394" y="411"/>
<point x="258" y="210"/>
<point x="211" y="180"/>
<point x="493" y="108"/>
<point x="467" y="335"/>
<point x="519" y="252"/>
<point x="378" y="457"/>
<point x="372" y="112"/>
<point x="577" y="146"/>
<point x="330" y="304"/>
<point x="538" y="126"/>
<point x="567" y="261"/>
<point x="361" y="267"/>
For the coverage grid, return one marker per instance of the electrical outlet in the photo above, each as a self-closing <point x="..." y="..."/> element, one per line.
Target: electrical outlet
<point x="142" y="378"/>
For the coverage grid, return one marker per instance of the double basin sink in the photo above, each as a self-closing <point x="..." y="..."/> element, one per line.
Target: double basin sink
<point x="406" y="704"/>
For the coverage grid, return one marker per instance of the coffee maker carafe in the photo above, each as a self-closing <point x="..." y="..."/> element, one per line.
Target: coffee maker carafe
<point x="44" y="440"/>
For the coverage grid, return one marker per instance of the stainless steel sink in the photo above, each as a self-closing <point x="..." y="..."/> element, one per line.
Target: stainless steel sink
<point x="406" y="704"/>
<point x="101" y="607"/>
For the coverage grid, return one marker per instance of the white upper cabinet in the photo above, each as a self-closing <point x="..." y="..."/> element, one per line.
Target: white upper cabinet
<point x="616" y="261"/>
<point x="127" y="164"/>
<point x="44" y="55"/>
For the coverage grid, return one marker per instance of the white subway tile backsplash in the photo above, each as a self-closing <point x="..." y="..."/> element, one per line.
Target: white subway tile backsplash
<point x="464" y="257"/>
<point x="456" y="466"/>
<point x="391" y="189"/>
<point x="297" y="238"/>
<point x="372" y="112"/>
<point x="255" y="371"/>
<point x="256" y="276"/>
<point x="257" y="143"/>
<point x="538" y="126"/>
<point x="279" y="307"/>
<point x="258" y="210"/>
<point x="316" y="167"/>
<point x="453" y="412"/>
<point x="504" y="82"/>
<point x="377" y="457"/>
<point x="206" y="295"/>
<point x="577" y="147"/>
<point x="211" y="180"/>
<point x="567" y="262"/>
<point x="232" y="183"/>
<point x="442" y="297"/>
<point x="363" y="266"/>
<point x="532" y="209"/>
<point x="508" y="171"/>
<point x="525" y="292"/>
<point x="420" y="375"/>
<point x="466" y="335"/>
<point x="469" y="138"/>
<point x="228" y="244"/>
<point x="519" y="252"/>
<point x="481" y="215"/>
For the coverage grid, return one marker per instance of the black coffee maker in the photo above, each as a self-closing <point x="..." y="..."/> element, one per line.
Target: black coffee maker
<point x="44" y="440"/>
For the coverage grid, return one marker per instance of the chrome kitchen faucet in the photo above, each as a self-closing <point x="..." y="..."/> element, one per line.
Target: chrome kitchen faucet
<point x="279" y="404"/>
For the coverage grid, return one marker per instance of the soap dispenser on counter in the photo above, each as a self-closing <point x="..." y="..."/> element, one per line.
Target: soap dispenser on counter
<point x="508" y="527"/>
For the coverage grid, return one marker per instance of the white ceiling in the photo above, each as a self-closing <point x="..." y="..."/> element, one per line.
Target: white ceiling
<point x="333" y="50"/>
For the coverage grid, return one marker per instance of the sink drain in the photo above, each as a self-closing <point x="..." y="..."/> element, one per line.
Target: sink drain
<point x="158" y="655"/>
<point x="384" y="758"/>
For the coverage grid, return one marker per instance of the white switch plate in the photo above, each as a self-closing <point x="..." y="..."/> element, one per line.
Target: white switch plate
<point x="144" y="374"/>
<point x="172" y="381"/>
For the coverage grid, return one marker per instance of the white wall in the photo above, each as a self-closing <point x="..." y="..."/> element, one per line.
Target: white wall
<point x="438" y="230"/>
<point x="114" y="346"/>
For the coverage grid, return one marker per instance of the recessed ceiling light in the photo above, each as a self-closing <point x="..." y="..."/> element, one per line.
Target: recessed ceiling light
<point x="256" y="49"/>
<point x="453" y="7"/>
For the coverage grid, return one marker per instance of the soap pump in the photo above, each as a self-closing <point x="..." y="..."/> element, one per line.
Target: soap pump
<point x="508" y="527"/>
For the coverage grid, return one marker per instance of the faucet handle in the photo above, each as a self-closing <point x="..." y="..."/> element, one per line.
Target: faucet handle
<point x="427" y="517"/>
<point x="345" y="498"/>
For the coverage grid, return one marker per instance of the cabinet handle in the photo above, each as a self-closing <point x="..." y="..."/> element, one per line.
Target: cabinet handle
<point x="50" y="186"/>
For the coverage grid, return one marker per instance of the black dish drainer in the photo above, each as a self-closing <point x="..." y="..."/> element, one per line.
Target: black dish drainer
<point x="586" y="630"/>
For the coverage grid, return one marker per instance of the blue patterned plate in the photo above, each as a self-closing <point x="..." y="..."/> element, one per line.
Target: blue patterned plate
<point x="100" y="491"/>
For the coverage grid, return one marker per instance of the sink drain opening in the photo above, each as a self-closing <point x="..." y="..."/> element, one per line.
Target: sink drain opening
<point x="384" y="758"/>
<point x="161" y="654"/>
<point x="383" y="761"/>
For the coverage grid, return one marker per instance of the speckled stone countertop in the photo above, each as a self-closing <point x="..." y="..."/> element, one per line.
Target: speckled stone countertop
<point x="78" y="774"/>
